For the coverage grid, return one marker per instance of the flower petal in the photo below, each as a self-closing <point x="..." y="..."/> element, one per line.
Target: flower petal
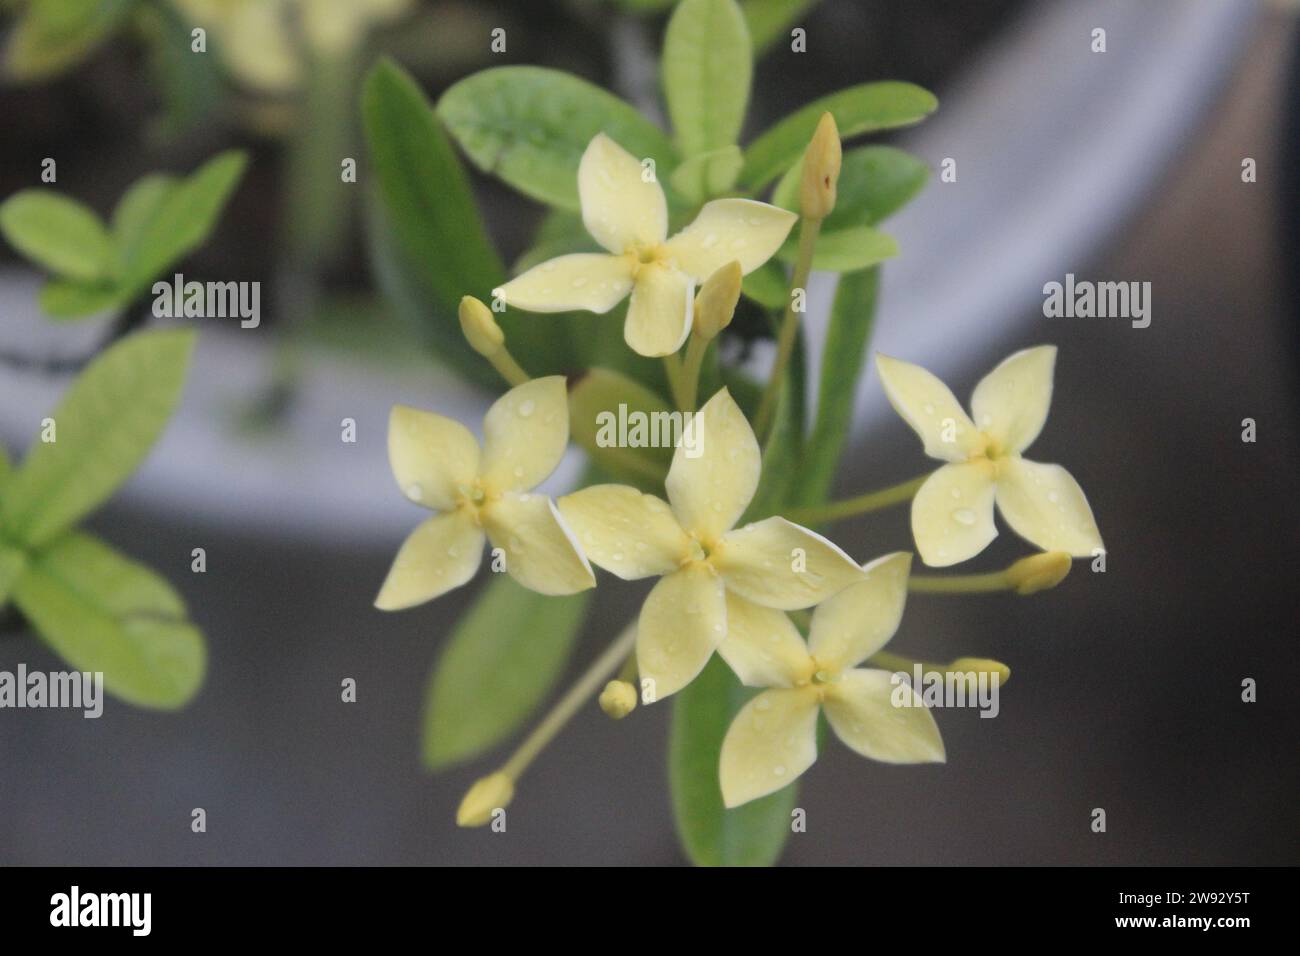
<point x="660" y="313"/>
<point x="591" y="281"/>
<point x="630" y="534"/>
<point x="860" y="708"/>
<point x="1010" y="403"/>
<point x="929" y="407"/>
<point x="780" y="564"/>
<point x="952" y="513"/>
<point x="541" y="552"/>
<point x="715" y="473"/>
<point x="619" y="207"/>
<point x="743" y="230"/>
<point x="441" y="554"/>
<point x="524" y="434"/>
<point x="1045" y="506"/>
<point x="854" y="624"/>
<point x="682" y="622"/>
<point x="771" y="742"/>
<point x="763" y="646"/>
<point x="430" y="456"/>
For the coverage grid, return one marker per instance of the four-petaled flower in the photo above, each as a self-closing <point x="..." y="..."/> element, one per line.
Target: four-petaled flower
<point x="952" y="513"/>
<point x="625" y="211"/>
<point x="437" y="463"/>
<point x="691" y="544"/>
<point x="773" y="739"/>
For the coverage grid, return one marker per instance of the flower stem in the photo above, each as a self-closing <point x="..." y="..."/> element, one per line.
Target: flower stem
<point x="695" y="350"/>
<point x="862" y="504"/>
<point x="960" y="583"/>
<point x="507" y="367"/>
<point x="587" y="685"/>
<point x="676" y="380"/>
<point x="808" y="231"/>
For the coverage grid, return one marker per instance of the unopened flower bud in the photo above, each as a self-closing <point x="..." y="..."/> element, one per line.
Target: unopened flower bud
<point x="618" y="699"/>
<point x="481" y="330"/>
<point x="821" y="170"/>
<point x="486" y="796"/>
<point x="716" y="302"/>
<point x="981" y="665"/>
<point x="1038" y="572"/>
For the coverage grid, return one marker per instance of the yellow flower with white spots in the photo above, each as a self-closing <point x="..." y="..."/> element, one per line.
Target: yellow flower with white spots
<point x="692" y="546"/>
<point x="625" y="211"/>
<point x="952" y="513"/>
<point x="484" y="494"/>
<point x="773" y="739"/>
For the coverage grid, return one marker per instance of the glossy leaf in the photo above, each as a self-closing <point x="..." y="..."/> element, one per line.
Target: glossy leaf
<point x="707" y="67"/>
<point x="875" y="182"/>
<point x="845" y="250"/>
<point x="57" y="233"/>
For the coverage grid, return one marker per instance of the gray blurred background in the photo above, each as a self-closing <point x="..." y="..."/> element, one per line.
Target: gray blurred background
<point x="1125" y="688"/>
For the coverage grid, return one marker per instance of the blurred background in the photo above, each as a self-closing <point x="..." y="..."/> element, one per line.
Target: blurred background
<point x="1125" y="689"/>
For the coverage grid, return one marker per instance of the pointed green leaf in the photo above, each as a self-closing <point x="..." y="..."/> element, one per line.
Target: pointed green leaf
<point x="771" y="20"/>
<point x="57" y="233"/>
<point x="13" y="562"/>
<point x="707" y="66"/>
<point x="137" y="207"/>
<point x="749" y="835"/>
<point x="499" y="663"/>
<point x="857" y="110"/>
<point x="845" y="250"/>
<point x="875" y="182"/>
<point x="69" y="299"/>
<point x="784" y="447"/>
<point x="100" y="611"/>
<point x="707" y="175"/>
<point x="530" y="125"/>
<point x="54" y="34"/>
<point x="105" y="425"/>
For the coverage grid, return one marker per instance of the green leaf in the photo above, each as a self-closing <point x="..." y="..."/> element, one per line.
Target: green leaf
<point x="783" y="450"/>
<point x="560" y="233"/>
<point x="55" y="34"/>
<point x="857" y="110"/>
<point x="771" y="20"/>
<point x="57" y="233"/>
<point x="530" y="125"/>
<point x="707" y="66"/>
<point x="105" y="425"/>
<point x="767" y="285"/>
<point x="843" y="357"/>
<point x="708" y="174"/>
<point x="500" y="662"/>
<point x="749" y="835"/>
<point x="137" y="208"/>
<point x="68" y="299"/>
<point x="845" y="250"/>
<point x="595" y="400"/>
<point x="875" y="182"/>
<point x="101" y="611"/>
<point x="13" y="561"/>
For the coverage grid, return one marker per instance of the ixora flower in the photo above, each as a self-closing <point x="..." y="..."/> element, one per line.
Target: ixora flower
<point x="627" y="214"/>
<point x="437" y="463"/>
<point x="773" y="739"/>
<point x="952" y="513"/>
<point x="692" y="546"/>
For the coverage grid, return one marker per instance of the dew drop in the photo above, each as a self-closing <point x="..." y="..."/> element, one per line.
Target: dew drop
<point x="527" y="407"/>
<point x="964" y="516"/>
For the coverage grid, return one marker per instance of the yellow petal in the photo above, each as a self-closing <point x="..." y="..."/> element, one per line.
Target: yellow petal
<point x="682" y="622"/>
<point x="714" y="474"/>
<point x="854" y="624"/>
<point x="441" y="554"/>
<point x="929" y="407"/>
<point x="659" y="315"/>
<point x="771" y="742"/>
<point x="541" y="552"/>
<point x="743" y="230"/>
<point x="1045" y="506"/>
<point x="525" y="433"/>
<point x="860" y="708"/>
<point x="952" y="514"/>
<point x="763" y="646"/>
<point x="780" y="564"/>
<point x="430" y="456"/>
<point x="630" y="534"/>
<point x="591" y="281"/>
<point x="623" y="205"/>
<point x="1010" y="403"/>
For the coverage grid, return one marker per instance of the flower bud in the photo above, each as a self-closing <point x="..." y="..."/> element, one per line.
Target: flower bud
<point x="821" y="170"/>
<point x="716" y="302"/>
<point x="481" y="330"/>
<point x="486" y="796"/>
<point x="618" y="699"/>
<point x="1038" y="572"/>
<point x="981" y="665"/>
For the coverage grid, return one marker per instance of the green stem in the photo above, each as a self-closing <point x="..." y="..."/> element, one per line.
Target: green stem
<point x="507" y="367"/>
<point x="676" y="380"/>
<point x="808" y="230"/>
<point x="960" y="583"/>
<point x="862" y="504"/>
<point x="695" y="351"/>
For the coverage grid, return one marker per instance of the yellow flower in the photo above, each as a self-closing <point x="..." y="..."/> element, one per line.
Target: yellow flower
<point x="624" y="209"/>
<point x="692" y="546"/>
<point x="773" y="739"/>
<point x="952" y="513"/>
<point x="437" y="464"/>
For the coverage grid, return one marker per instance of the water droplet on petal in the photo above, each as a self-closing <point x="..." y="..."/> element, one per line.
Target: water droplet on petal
<point x="964" y="516"/>
<point x="527" y="407"/>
